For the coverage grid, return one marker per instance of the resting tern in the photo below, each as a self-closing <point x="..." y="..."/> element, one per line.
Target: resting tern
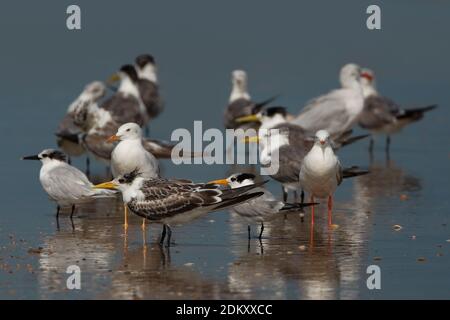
<point x="126" y="104"/>
<point x="65" y="184"/>
<point x="240" y="103"/>
<point x="148" y="84"/>
<point x="261" y="209"/>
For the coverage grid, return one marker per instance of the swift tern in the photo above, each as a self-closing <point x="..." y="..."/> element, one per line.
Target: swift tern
<point x="126" y="104"/>
<point x="175" y="201"/>
<point x="240" y="103"/>
<point x="148" y="84"/>
<point x="261" y="209"/>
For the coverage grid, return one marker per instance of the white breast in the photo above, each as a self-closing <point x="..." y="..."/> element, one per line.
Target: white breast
<point x="318" y="174"/>
<point x="130" y="155"/>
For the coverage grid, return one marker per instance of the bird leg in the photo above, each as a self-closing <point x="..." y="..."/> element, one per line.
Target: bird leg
<point x="88" y="164"/>
<point x="302" y="197"/>
<point x="261" y="232"/>
<point x="330" y="208"/>
<point x="73" y="210"/>
<point x="169" y="235"/>
<point x="57" y="217"/>
<point x="371" y="145"/>
<point x="248" y="230"/>
<point x="143" y="224"/>
<point x="163" y="235"/>
<point x="285" y="194"/>
<point x="388" y="146"/>
<point x="312" y="210"/>
<point x="125" y="211"/>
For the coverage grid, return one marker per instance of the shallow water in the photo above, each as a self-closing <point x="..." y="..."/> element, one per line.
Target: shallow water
<point x="211" y="257"/>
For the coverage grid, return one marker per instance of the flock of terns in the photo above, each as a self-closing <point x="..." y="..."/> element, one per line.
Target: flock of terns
<point x="113" y="130"/>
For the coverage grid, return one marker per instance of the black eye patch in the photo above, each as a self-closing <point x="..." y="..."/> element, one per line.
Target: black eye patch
<point x="244" y="176"/>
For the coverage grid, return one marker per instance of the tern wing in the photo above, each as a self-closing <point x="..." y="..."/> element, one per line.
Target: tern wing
<point x="237" y="108"/>
<point x="325" y="112"/>
<point x="339" y="174"/>
<point x="124" y="109"/>
<point x="291" y="155"/>
<point x="167" y="198"/>
<point x="96" y="140"/>
<point x="67" y="182"/>
<point x="150" y="97"/>
<point x="378" y="111"/>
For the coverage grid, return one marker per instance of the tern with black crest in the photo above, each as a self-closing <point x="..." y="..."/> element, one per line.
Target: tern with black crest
<point x="148" y="84"/>
<point x="175" y="201"/>
<point x="261" y="209"/>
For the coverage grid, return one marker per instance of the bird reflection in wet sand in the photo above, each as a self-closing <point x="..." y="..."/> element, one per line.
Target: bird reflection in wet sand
<point x="328" y="268"/>
<point x="386" y="180"/>
<point x="151" y="275"/>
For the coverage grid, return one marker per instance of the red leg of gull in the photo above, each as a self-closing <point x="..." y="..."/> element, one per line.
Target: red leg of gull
<point x="330" y="208"/>
<point x="312" y="210"/>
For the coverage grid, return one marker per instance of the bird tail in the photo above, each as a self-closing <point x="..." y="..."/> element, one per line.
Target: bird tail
<point x="346" y="138"/>
<point x="104" y="193"/>
<point x="297" y="206"/>
<point x="163" y="150"/>
<point x="72" y="137"/>
<point x="416" y="113"/>
<point x="238" y="200"/>
<point x="258" y="106"/>
<point x="353" y="171"/>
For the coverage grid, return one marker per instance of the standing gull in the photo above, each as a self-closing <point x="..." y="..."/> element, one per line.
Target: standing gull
<point x="261" y="209"/>
<point x="148" y="85"/>
<point x="65" y="184"/>
<point x="67" y="132"/>
<point x="126" y="104"/>
<point x="129" y="154"/>
<point x="175" y="201"/>
<point x="321" y="172"/>
<point x="240" y="103"/>
<point x="381" y="115"/>
<point x="338" y="110"/>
